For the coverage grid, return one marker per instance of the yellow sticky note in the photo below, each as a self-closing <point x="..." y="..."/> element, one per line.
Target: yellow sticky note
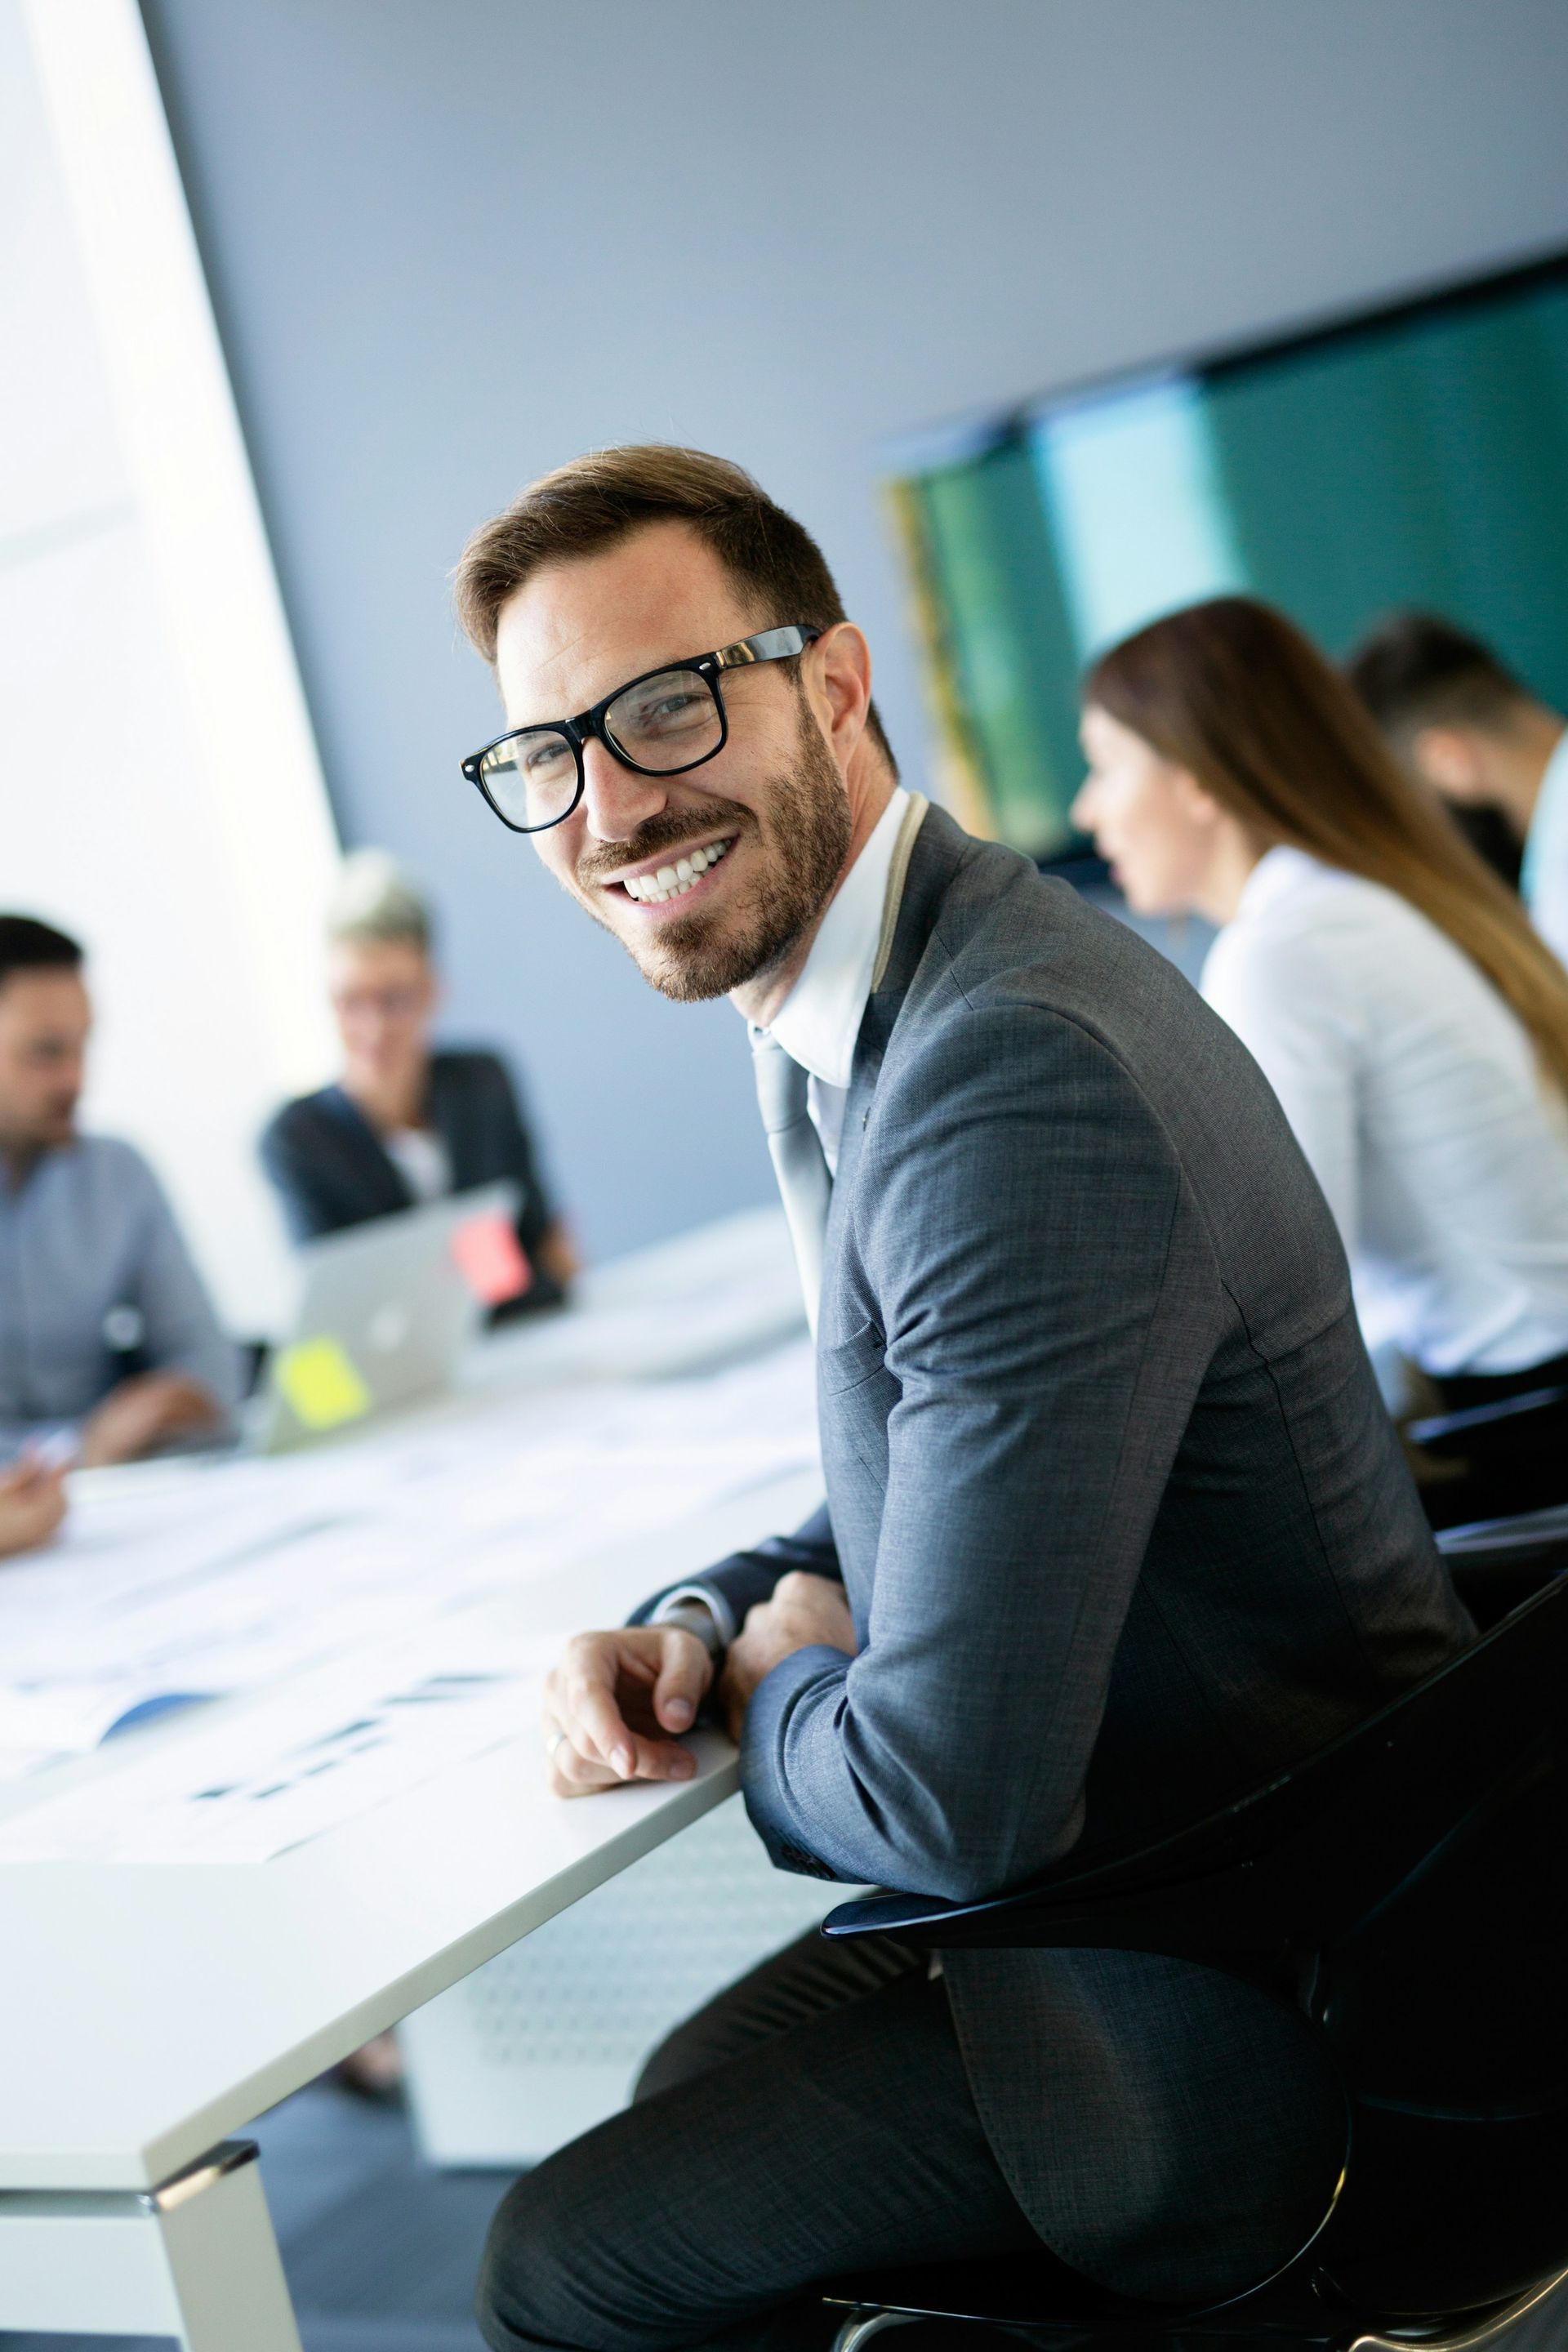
<point x="319" y="1380"/>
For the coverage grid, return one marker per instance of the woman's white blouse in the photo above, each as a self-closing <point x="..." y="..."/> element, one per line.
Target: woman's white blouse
<point x="1414" y="1094"/>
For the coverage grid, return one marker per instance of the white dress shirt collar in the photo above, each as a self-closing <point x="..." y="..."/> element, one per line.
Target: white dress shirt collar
<point x="1544" y="881"/>
<point x="820" y="1018"/>
<point x="1278" y="873"/>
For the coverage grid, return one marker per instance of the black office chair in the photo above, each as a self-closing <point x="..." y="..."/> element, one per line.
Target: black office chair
<point x="1497" y="1563"/>
<point x="1418" y="1868"/>
<point x="1515" y="1451"/>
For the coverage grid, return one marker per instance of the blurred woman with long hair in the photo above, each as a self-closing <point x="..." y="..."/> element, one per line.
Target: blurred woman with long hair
<point x="1412" y="1025"/>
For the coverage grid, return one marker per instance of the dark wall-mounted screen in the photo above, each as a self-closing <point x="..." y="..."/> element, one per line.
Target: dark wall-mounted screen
<point x="1415" y="457"/>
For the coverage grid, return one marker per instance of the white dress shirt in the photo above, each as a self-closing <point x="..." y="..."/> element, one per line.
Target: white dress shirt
<point x="1415" y="1093"/>
<point x="422" y="1160"/>
<point x="1544" y="880"/>
<point x="820" y="1018"/>
<point x="817" y="1026"/>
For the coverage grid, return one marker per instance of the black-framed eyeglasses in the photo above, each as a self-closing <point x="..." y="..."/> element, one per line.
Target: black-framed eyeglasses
<point x="661" y="724"/>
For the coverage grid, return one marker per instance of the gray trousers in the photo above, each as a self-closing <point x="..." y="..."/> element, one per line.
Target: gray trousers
<point x="814" y="2119"/>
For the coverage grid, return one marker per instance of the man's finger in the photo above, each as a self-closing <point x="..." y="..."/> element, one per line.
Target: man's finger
<point x="582" y="1691"/>
<point x="575" y="1770"/>
<point x="582" y="1700"/>
<point x="685" y="1671"/>
<point x="571" y="1775"/>
<point x="598" y="1725"/>
<point x="571" y="1772"/>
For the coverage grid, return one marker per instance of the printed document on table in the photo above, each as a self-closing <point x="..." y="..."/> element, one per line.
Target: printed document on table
<point x="250" y="1783"/>
<point x="244" y="1573"/>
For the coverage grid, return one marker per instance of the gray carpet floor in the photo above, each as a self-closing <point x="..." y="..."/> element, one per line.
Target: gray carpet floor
<point x="381" y="2252"/>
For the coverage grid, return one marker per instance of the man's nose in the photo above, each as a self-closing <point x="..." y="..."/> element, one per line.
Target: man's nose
<point x="615" y="799"/>
<point x="1081" y="812"/>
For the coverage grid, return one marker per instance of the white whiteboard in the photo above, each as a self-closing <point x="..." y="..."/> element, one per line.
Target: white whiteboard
<point x="160" y="793"/>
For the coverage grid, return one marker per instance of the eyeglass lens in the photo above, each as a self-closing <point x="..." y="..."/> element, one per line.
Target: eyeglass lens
<point x="662" y="723"/>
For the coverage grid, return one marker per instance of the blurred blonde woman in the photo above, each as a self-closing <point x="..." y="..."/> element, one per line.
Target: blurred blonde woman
<point x="1412" y="1025"/>
<point x="406" y="1121"/>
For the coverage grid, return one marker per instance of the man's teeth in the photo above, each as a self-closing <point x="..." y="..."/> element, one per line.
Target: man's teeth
<point x="675" y="881"/>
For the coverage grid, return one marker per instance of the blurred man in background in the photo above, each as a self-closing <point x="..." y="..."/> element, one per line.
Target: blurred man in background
<point x="1469" y="729"/>
<point x="405" y="1122"/>
<point x="109" y="1345"/>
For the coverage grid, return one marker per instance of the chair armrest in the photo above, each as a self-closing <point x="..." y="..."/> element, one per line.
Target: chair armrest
<point x="1497" y="1563"/>
<point x="1302" y="1858"/>
<point x="1521" y="1419"/>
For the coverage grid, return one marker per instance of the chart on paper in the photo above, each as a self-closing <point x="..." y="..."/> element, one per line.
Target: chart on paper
<point x="249" y="1783"/>
<point x="243" y="1574"/>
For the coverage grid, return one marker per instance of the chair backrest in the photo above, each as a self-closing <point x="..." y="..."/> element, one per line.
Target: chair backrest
<point x="1419" y="1864"/>
<point x="1446" y="2006"/>
<point x="1450" y="1996"/>
<point x="1303" y="1860"/>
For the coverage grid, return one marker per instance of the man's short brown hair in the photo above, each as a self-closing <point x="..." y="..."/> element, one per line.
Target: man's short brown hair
<point x="1417" y="670"/>
<point x="595" y="500"/>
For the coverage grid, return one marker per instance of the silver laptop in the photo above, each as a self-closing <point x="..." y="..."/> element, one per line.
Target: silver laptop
<point x="385" y="1311"/>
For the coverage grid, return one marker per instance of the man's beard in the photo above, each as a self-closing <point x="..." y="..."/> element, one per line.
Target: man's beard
<point x="803" y="849"/>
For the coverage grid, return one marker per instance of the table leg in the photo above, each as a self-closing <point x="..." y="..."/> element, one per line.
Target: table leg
<point x="195" y="2259"/>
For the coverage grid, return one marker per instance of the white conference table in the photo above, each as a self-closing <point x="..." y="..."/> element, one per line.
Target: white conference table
<point x="147" y="2011"/>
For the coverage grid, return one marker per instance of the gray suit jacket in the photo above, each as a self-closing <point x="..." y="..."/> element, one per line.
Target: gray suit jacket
<point x="1123" y="1525"/>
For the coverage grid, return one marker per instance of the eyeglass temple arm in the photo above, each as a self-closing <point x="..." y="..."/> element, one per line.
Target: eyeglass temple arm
<point x="772" y="645"/>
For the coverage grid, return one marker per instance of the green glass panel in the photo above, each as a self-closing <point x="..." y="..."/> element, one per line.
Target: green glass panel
<point x="1009" y="639"/>
<point x="1424" y="466"/>
<point x="1421" y="461"/>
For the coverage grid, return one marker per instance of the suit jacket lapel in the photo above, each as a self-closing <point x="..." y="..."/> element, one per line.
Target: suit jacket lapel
<point x="941" y="848"/>
<point x="375" y="1173"/>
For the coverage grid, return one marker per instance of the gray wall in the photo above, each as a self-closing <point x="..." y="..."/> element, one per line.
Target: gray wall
<point x="453" y="242"/>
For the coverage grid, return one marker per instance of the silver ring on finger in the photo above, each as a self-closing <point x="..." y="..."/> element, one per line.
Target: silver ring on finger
<point x="553" y="1743"/>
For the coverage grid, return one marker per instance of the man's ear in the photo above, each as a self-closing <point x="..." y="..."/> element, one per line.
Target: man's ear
<point x="1449" y="759"/>
<point x="840" y="690"/>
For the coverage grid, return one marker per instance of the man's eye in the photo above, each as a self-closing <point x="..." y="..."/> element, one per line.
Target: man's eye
<point x="669" y="711"/>
<point x="540" y="757"/>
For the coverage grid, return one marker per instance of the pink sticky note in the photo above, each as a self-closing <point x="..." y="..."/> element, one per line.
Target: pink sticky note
<point x="491" y="1260"/>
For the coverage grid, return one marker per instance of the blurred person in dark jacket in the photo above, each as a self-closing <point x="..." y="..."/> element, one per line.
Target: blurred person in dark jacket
<point x="407" y="1122"/>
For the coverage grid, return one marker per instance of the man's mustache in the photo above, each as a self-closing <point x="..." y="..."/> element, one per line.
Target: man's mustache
<point x="672" y="829"/>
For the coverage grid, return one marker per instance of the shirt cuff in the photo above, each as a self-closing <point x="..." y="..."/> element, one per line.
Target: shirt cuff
<point x="700" y="1596"/>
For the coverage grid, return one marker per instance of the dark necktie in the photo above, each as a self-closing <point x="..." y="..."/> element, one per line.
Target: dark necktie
<point x="806" y="1186"/>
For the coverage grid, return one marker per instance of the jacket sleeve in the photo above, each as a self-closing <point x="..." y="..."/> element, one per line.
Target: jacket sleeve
<point x="292" y="1157"/>
<point x="1048" y="1305"/>
<point x="516" y="1153"/>
<point x="738" y="1583"/>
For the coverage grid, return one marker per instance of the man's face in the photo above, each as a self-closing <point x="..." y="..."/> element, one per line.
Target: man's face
<point x="1457" y="761"/>
<point x="770" y="814"/>
<point x="45" y="1018"/>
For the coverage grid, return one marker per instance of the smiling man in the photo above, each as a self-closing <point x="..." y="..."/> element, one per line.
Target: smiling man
<point x="1115" y="1525"/>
